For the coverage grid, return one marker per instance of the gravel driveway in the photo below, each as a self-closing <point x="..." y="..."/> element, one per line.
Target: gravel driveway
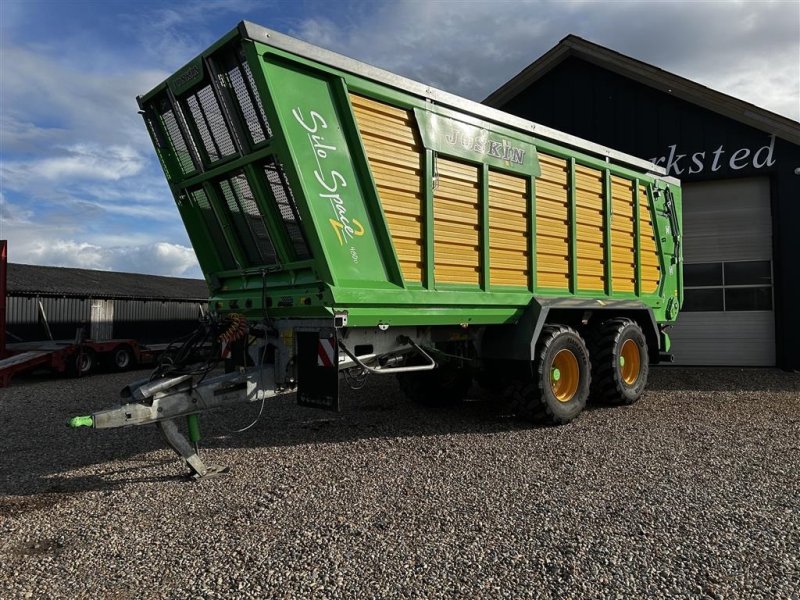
<point x="692" y="492"/>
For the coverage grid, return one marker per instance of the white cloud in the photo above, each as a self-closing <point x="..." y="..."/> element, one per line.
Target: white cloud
<point x="83" y="187"/>
<point x="745" y="49"/>
<point x="63" y="253"/>
<point x="49" y="101"/>
<point x="79" y="161"/>
<point x="9" y="213"/>
<point x="68" y="239"/>
<point x="160" y="258"/>
<point x="172" y="37"/>
<point x="26" y="136"/>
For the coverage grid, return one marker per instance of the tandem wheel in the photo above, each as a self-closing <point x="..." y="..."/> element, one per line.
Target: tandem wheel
<point x="557" y="390"/>
<point x="620" y="363"/>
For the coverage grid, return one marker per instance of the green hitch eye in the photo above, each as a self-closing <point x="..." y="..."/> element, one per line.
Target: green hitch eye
<point x="76" y="422"/>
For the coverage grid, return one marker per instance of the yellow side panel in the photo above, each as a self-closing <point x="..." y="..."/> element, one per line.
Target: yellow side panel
<point x="589" y="228"/>
<point x="509" y="247"/>
<point x="552" y="226"/>
<point x="395" y="159"/>
<point x="651" y="272"/>
<point x="623" y="242"/>
<point x="456" y="232"/>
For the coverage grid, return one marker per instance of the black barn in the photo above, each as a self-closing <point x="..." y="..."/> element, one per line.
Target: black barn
<point x="740" y="169"/>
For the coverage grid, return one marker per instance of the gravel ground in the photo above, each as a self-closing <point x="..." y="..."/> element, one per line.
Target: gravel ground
<point x="692" y="492"/>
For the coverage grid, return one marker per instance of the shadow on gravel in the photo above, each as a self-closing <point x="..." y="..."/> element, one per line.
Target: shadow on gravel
<point x="38" y="455"/>
<point x="379" y="410"/>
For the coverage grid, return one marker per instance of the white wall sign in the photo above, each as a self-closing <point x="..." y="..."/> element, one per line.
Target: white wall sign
<point x="677" y="163"/>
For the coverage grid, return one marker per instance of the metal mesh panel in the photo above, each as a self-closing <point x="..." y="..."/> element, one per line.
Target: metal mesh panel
<point x="211" y="220"/>
<point x="236" y="71"/>
<point x="247" y="220"/>
<point x="283" y="197"/>
<point x="252" y="86"/>
<point x="207" y="116"/>
<point x="158" y="138"/>
<point x="176" y="140"/>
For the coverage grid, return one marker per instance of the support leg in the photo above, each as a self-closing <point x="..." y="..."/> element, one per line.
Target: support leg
<point x="178" y="442"/>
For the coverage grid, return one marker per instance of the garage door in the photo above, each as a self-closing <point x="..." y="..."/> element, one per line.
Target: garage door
<point x="728" y="316"/>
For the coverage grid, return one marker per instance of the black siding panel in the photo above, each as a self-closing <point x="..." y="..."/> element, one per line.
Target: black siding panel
<point x="605" y="107"/>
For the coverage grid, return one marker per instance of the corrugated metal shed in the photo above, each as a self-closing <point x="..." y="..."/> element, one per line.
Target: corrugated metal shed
<point x="34" y="280"/>
<point x="148" y="308"/>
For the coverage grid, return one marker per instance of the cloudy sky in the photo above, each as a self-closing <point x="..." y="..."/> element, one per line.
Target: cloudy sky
<point x="79" y="183"/>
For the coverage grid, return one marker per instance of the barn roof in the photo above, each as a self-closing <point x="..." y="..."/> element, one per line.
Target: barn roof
<point x="675" y="85"/>
<point x="34" y="280"/>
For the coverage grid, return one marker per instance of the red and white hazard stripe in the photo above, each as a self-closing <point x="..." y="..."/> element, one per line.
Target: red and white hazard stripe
<point x="325" y="353"/>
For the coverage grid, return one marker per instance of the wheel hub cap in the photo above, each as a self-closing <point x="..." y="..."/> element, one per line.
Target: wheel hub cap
<point x="629" y="362"/>
<point x="564" y="376"/>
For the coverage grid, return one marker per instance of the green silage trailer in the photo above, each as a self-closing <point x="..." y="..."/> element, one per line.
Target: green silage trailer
<point x="351" y="222"/>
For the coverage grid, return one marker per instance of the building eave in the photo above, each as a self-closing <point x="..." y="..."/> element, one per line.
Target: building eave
<point x="646" y="74"/>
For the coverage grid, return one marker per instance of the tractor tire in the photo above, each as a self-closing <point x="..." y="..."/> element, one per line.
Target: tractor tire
<point x="620" y="363"/>
<point x="559" y="387"/>
<point x="443" y="386"/>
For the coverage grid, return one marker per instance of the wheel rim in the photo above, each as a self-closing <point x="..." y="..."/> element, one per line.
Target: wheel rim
<point x="123" y="358"/>
<point x="564" y="376"/>
<point x="84" y="363"/>
<point x="630" y="363"/>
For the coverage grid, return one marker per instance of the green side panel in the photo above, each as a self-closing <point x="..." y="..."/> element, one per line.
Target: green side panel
<point x="312" y="131"/>
<point x="607" y="253"/>
<point x="669" y="219"/>
<point x="572" y="227"/>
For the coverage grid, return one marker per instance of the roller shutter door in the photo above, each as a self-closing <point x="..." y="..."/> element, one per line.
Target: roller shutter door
<point x="728" y="316"/>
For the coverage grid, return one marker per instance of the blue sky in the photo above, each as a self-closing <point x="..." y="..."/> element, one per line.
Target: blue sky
<point x="79" y="183"/>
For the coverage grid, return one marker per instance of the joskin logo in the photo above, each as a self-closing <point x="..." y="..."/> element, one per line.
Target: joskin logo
<point x="331" y="180"/>
<point x="479" y="141"/>
<point x="187" y="77"/>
